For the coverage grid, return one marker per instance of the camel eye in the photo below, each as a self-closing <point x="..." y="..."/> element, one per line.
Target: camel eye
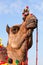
<point x="15" y="29"/>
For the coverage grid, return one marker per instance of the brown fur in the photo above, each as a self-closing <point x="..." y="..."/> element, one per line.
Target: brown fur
<point x="18" y="38"/>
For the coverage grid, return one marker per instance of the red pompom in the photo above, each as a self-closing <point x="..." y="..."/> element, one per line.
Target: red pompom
<point x="2" y="62"/>
<point x="31" y="14"/>
<point x="6" y="57"/>
<point x="0" y="46"/>
<point x="27" y="7"/>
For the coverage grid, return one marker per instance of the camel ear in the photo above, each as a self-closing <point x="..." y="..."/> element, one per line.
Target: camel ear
<point x="8" y="29"/>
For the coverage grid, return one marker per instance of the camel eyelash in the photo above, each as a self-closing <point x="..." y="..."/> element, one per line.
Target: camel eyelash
<point x="15" y="30"/>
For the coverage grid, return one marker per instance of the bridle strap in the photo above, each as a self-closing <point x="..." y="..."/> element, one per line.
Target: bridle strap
<point x="37" y="45"/>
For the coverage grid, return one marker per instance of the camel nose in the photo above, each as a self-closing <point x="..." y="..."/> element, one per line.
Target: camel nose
<point x="36" y="20"/>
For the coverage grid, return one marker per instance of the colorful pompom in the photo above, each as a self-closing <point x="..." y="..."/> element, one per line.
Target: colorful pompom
<point x="10" y="60"/>
<point x="27" y="7"/>
<point x="17" y="61"/>
<point x="31" y="14"/>
<point x="1" y="44"/>
<point x="5" y="64"/>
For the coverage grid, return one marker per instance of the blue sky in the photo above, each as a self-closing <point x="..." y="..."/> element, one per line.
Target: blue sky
<point x="11" y="14"/>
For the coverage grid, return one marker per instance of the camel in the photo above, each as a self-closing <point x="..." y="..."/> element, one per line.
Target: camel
<point x="19" y="40"/>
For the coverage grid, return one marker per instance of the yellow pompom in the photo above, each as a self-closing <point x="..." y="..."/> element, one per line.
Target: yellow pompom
<point x="14" y="63"/>
<point x="1" y="44"/>
<point x="5" y="64"/>
<point x="0" y="39"/>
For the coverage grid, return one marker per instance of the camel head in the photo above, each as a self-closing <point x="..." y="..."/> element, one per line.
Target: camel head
<point x="17" y="34"/>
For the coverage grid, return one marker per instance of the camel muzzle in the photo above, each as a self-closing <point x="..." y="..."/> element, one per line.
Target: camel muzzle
<point x="32" y="23"/>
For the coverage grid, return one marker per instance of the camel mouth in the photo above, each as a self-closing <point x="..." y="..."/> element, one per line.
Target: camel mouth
<point x="27" y="36"/>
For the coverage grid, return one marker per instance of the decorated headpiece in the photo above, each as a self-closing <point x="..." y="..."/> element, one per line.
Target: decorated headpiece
<point x="27" y="7"/>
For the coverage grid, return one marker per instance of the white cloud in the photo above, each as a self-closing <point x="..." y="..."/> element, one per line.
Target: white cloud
<point x="39" y="7"/>
<point x="11" y="7"/>
<point x="16" y="6"/>
<point x="3" y="8"/>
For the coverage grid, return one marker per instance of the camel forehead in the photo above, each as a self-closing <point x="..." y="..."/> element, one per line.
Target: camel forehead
<point x="15" y="26"/>
<point x="31" y="16"/>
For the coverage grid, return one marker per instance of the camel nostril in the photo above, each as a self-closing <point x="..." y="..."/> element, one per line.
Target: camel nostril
<point x="36" y="20"/>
